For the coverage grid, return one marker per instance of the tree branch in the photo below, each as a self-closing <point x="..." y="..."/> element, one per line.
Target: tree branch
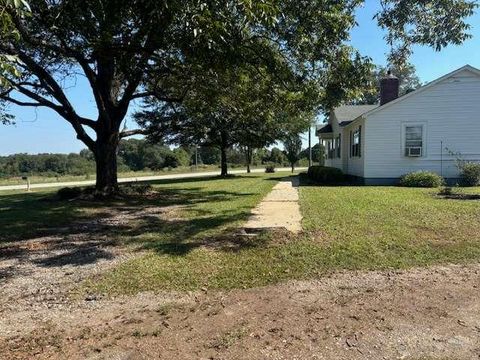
<point x="65" y="50"/>
<point x="40" y="99"/>
<point x="76" y="121"/>
<point x="158" y="97"/>
<point x="21" y="103"/>
<point x="127" y="133"/>
<point x="53" y="88"/>
<point x="136" y="77"/>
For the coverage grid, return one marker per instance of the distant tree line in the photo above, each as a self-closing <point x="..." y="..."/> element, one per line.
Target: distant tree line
<point x="140" y="155"/>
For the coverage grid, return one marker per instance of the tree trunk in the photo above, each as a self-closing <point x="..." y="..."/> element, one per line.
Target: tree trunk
<point x="293" y="167"/>
<point x="223" y="161"/>
<point x="106" y="164"/>
<point x="223" y="154"/>
<point x="248" y="154"/>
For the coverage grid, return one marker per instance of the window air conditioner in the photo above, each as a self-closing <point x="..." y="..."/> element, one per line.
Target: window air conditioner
<point x="414" y="151"/>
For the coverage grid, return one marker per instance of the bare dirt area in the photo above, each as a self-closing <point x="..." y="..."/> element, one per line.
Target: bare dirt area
<point x="429" y="313"/>
<point x="37" y="275"/>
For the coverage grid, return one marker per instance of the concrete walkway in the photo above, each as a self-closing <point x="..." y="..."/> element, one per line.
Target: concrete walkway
<point x="140" y="178"/>
<point x="279" y="209"/>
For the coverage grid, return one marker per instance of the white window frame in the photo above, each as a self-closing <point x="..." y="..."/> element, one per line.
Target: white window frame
<point x="404" y="139"/>
<point x="338" y="149"/>
<point x="331" y="149"/>
<point x="355" y="150"/>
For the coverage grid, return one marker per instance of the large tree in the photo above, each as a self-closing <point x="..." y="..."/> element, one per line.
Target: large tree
<point x="118" y="46"/>
<point x="121" y="46"/>
<point x="293" y="147"/>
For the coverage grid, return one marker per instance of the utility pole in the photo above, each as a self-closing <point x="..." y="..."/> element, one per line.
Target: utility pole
<point x="441" y="158"/>
<point x="310" y="146"/>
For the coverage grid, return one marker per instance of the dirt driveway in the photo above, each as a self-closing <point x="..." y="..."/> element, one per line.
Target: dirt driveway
<point x="417" y="314"/>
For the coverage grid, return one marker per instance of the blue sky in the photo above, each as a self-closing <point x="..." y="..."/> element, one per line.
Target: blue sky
<point x="41" y="130"/>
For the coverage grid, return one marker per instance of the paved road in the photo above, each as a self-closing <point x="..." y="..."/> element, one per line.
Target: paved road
<point x="140" y="178"/>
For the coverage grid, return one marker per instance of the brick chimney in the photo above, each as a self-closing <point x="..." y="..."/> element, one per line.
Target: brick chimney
<point x="389" y="86"/>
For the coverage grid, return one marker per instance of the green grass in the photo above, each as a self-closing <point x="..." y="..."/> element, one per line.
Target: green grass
<point x="390" y="227"/>
<point x="345" y="228"/>
<point x="208" y="206"/>
<point x="24" y="215"/>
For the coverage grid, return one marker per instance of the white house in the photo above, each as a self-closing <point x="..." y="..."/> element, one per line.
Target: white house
<point x="421" y="130"/>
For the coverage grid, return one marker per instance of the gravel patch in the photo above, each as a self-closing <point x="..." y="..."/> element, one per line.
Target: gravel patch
<point x="429" y="313"/>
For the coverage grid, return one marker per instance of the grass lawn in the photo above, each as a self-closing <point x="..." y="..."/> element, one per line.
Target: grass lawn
<point x="390" y="227"/>
<point x="200" y="208"/>
<point x="208" y="206"/>
<point x="345" y="228"/>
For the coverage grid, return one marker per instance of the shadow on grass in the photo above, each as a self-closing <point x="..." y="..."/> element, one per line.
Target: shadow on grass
<point x="306" y="181"/>
<point x="174" y="220"/>
<point x="231" y="177"/>
<point x="460" y="196"/>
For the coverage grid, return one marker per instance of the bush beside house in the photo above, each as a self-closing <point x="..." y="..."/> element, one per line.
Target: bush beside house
<point x="325" y="174"/>
<point x="470" y="174"/>
<point x="425" y="179"/>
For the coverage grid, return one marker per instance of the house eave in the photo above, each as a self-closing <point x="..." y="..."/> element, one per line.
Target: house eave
<point x="416" y="92"/>
<point x="324" y="131"/>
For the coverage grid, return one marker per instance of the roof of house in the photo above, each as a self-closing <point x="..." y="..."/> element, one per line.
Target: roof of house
<point x="419" y="90"/>
<point x="347" y="113"/>
<point x="324" y="129"/>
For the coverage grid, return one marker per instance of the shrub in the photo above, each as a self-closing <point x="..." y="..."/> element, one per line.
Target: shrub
<point x="426" y="179"/>
<point x="270" y="168"/>
<point x="325" y="174"/>
<point x="470" y="174"/>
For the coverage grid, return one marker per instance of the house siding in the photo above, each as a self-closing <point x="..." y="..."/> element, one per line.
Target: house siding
<point x="450" y="113"/>
<point x="349" y="165"/>
<point x="335" y="162"/>
<point x="354" y="165"/>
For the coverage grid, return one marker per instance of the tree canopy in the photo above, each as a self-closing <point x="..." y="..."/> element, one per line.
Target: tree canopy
<point x="243" y="105"/>
<point x="7" y="61"/>
<point x="133" y="49"/>
<point x="433" y="23"/>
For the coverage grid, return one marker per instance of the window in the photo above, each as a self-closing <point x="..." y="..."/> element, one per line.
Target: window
<point x="414" y="141"/>
<point x="330" y="149"/>
<point x="339" y="146"/>
<point x="355" y="142"/>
